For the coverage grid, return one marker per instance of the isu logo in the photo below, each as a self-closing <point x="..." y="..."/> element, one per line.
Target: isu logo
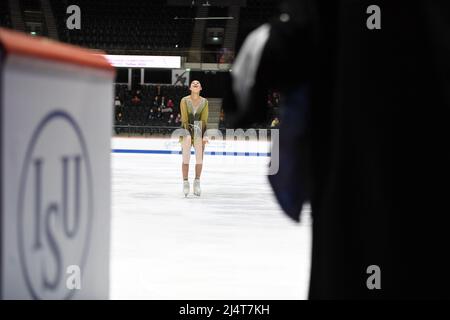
<point x="55" y="206"/>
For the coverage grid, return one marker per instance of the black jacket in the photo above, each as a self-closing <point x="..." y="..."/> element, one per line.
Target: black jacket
<point x="378" y="141"/>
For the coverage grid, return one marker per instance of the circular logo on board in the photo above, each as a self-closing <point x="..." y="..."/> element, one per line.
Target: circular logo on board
<point x="55" y="206"/>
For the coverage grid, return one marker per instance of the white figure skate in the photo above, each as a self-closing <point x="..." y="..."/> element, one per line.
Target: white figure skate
<point x="197" y="190"/>
<point x="186" y="188"/>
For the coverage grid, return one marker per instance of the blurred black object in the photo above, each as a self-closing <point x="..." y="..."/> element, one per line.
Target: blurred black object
<point x="291" y="184"/>
<point x="284" y="63"/>
<point x="378" y="140"/>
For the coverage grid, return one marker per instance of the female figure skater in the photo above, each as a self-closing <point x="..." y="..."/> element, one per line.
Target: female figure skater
<point x="194" y="118"/>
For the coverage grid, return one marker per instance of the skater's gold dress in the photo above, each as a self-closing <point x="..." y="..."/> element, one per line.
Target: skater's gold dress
<point x="192" y="118"/>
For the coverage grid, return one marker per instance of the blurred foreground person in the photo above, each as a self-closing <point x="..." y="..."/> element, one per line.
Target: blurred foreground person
<point x="362" y="137"/>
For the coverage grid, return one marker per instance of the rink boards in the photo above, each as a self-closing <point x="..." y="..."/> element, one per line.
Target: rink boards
<point x="172" y="146"/>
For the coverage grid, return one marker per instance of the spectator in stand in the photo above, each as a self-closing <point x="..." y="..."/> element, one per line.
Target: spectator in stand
<point x="168" y="108"/>
<point x="159" y="113"/>
<point x="178" y="119"/>
<point x="221" y="119"/>
<point x="170" y="121"/>
<point x="276" y="98"/>
<point x="135" y="100"/>
<point x="275" y="123"/>
<point x="170" y="104"/>
<point x="163" y="103"/>
<point x="151" y="115"/>
<point x="269" y="101"/>
<point x="117" y="102"/>
<point x="119" y="117"/>
<point x="155" y="103"/>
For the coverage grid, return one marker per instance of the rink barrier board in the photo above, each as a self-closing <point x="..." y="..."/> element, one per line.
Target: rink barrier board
<point x="55" y="189"/>
<point x="210" y="153"/>
<point x="171" y="146"/>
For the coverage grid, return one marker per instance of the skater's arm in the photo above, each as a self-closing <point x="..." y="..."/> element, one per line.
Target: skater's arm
<point x="204" y="117"/>
<point x="184" y="115"/>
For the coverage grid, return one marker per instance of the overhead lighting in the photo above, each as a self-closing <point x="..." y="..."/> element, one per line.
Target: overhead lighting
<point x="204" y="18"/>
<point x="214" y="18"/>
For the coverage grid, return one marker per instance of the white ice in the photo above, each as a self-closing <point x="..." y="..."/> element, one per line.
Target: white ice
<point x="233" y="242"/>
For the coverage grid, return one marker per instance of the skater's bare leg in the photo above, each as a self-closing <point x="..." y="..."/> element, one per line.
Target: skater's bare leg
<point x="185" y="170"/>
<point x="199" y="149"/>
<point x="198" y="171"/>
<point x="186" y="151"/>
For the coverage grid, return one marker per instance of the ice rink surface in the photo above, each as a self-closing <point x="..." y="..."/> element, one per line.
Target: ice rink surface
<point x="233" y="242"/>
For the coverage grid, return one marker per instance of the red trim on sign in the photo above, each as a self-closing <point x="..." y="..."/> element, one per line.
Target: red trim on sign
<point x="19" y="43"/>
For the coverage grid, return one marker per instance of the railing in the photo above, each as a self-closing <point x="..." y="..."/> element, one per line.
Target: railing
<point x="143" y="130"/>
<point x="134" y="130"/>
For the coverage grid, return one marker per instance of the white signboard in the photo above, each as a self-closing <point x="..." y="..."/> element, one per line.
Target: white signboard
<point x="127" y="61"/>
<point x="180" y="77"/>
<point x="55" y="162"/>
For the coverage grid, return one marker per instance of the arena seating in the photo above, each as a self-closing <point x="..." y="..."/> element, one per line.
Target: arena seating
<point x="139" y="25"/>
<point x="144" y="27"/>
<point x="217" y="12"/>
<point x="127" y="25"/>
<point x="136" y="116"/>
<point x="5" y="20"/>
<point x="31" y="5"/>
<point x="253" y="15"/>
<point x="33" y="17"/>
